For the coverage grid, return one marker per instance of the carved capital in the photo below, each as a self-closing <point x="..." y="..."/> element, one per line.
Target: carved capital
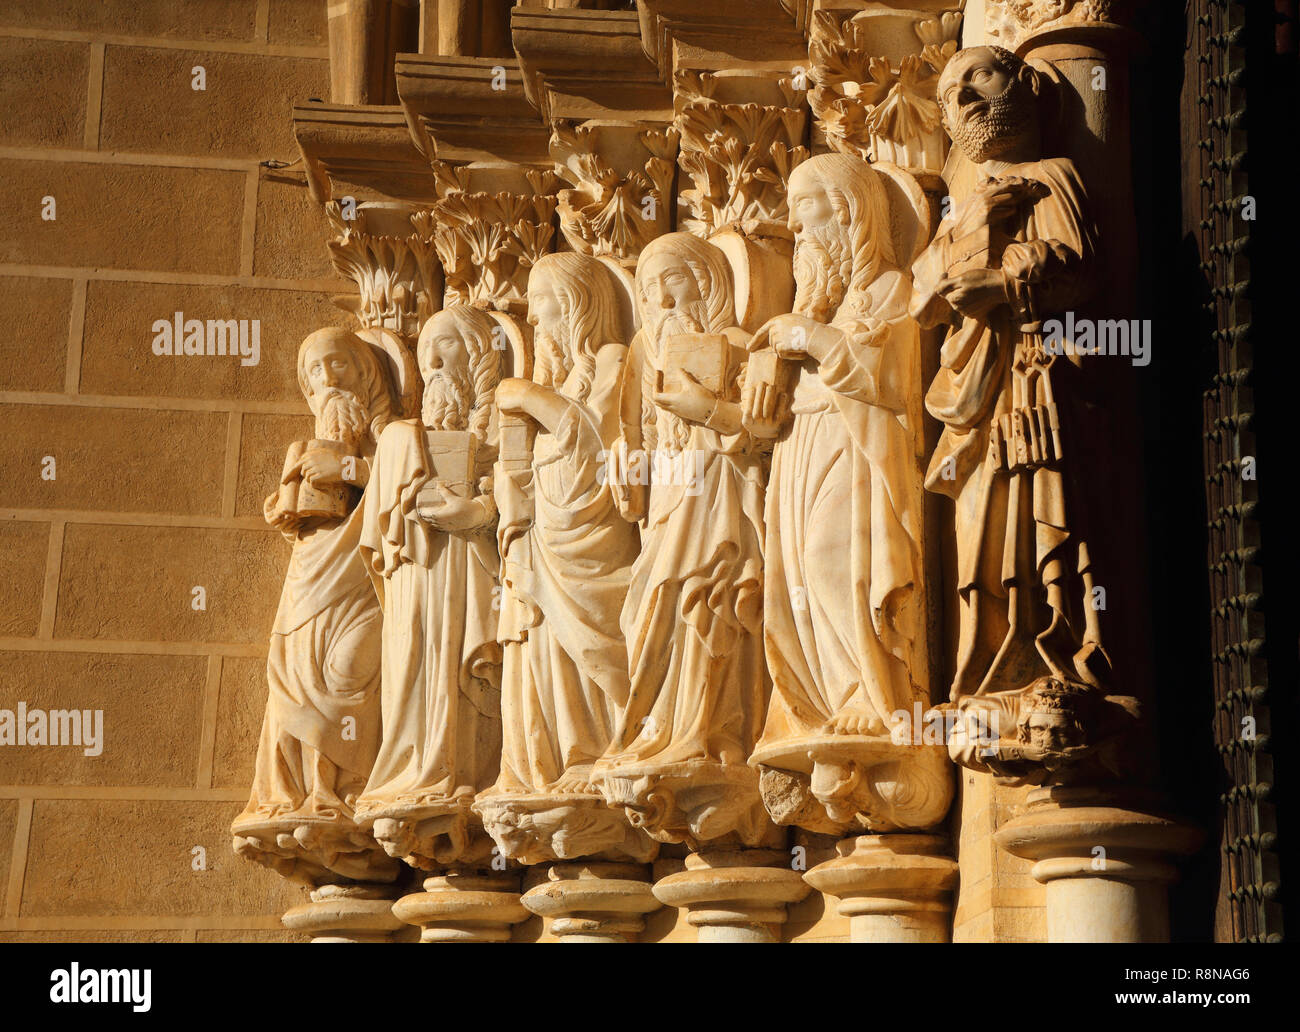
<point x="387" y="250"/>
<point x="1106" y="860"/>
<point x="742" y="135"/>
<point x="346" y="912"/>
<point x="593" y="902"/>
<point x="734" y="896"/>
<point x="492" y="224"/>
<point x="464" y="905"/>
<point x="621" y="180"/>
<point x="892" y="888"/>
<point x="1015" y="24"/>
<point x="875" y="74"/>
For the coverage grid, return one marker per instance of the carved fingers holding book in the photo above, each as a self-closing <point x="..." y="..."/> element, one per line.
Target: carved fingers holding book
<point x="685" y="397"/>
<point x="796" y="337"/>
<point x="449" y="513"/>
<point x="974" y="293"/>
<point x="320" y="466"/>
<point x="764" y="408"/>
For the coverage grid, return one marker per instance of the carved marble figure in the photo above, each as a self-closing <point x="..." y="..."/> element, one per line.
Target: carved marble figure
<point x="843" y="609"/>
<point x="321" y="730"/>
<point x="428" y="541"/>
<point x="1032" y="667"/>
<point x="567" y="554"/>
<point x="686" y="468"/>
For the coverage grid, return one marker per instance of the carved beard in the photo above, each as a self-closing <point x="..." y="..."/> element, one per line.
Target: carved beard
<point x="341" y="417"/>
<point x="822" y="263"/>
<point x="985" y="135"/>
<point x="555" y="353"/>
<point x="446" y="401"/>
<point x="692" y="317"/>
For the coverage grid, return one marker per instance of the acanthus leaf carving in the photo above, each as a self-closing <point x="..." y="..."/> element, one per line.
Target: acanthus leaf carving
<point x="872" y="107"/>
<point x="605" y="212"/>
<point x="738" y="155"/>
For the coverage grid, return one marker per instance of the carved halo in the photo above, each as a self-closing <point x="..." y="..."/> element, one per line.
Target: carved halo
<point x="911" y="215"/>
<point x="403" y="373"/>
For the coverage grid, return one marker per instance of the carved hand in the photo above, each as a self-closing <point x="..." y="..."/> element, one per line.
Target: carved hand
<point x="986" y="207"/>
<point x="452" y="514"/>
<point x="976" y="292"/>
<point x="513" y="395"/>
<point x="796" y="337"/>
<point x="322" y="467"/>
<point x="630" y="498"/>
<point x="761" y="412"/>
<point x="692" y="401"/>
<point x="285" y="522"/>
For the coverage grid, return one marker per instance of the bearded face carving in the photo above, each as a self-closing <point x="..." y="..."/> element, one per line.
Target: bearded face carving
<point x="988" y="101"/>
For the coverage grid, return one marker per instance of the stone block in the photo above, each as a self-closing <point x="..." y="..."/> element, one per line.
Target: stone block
<point x="152" y="871"/>
<point x="8" y="820"/>
<point x="98" y="935"/>
<point x="23" y="549"/>
<point x="113" y="460"/>
<point x="291" y="232"/>
<point x="212" y="19"/>
<point x="43" y="91"/>
<point x="135" y="583"/>
<point x="122" y="216"/>
<point x="34" y="333"/>
<point x="118" y="357"/>
<point x="240" y="707"/>
<point x="297" y="23"/>
<point x="248" y="935"/>
<point x="149" y="733"/>
<point x="150" y="104"/>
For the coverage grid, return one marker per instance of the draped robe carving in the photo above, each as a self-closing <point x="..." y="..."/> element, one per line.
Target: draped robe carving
<point x="435" y="567"/>
<point x="321" y="729"/>
<point x="567" y="554"/>
<point x="692" y="619"/>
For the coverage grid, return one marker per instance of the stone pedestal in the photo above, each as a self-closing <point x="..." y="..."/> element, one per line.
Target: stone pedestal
<point x="734" y="896"/>
<point x="593" y="902"/>
<point x="464" y="906"/>
<point x="356" y="912"/>
<point x="892" y="888"/>
<point x="1106" y="860"/>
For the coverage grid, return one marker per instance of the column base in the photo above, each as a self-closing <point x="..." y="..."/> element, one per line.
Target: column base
<point x="464" y="906"/>
<point x="1106" y="865"/>
<point x="357" y="912"/>
<point x="736" y="896"/>
<point x="892" y="888"/>
<point x="593" y="902"/>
